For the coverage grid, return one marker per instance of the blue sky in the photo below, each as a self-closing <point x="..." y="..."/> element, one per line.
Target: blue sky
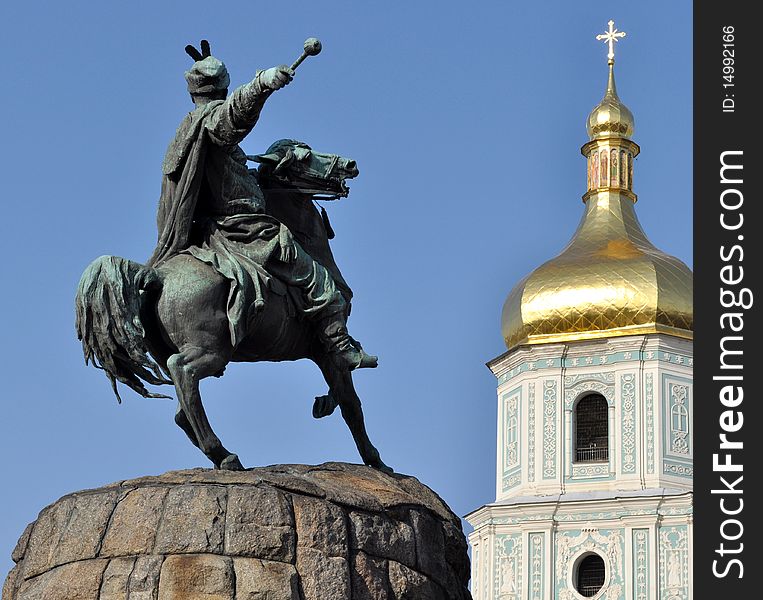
<point x="466" y="120"/>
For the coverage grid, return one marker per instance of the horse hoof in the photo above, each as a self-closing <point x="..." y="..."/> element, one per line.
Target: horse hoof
<point x="380" y="466"/>
<point x="324" y="406"/>
<point x="231" y="463"/>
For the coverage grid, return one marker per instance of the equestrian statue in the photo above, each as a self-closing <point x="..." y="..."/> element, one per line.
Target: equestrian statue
<point x="242" y="270"/>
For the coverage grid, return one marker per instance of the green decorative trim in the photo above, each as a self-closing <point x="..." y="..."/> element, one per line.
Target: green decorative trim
<point x="550" y="441"/>
<point x="531" y="431"/>
<point x="577" y="385"/>
<point x="590" y="472"/>
<point x="535" y="566"/>
<point x="649" y="399"/>
<point x="584" y="517"/>
<point x="511" y="463"/>
<point x="677" y="417"/>
<point x="641" y="564"/>
<point x="508" y="566"/>
<point x="674" y="562"/>
<point x="531" y="366"/>
<point x="598" y="360"/>
<point x="608" y="543"/>
<point x="671" y="467"/>
<point x="628" y="423"/>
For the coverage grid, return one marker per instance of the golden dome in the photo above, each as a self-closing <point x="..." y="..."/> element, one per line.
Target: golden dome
<point x="610" y="280"/>
<point x="610" y="117"/>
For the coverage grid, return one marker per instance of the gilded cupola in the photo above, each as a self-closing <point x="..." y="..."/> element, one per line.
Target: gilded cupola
<point x="609" y="280"/>
<point x="610" y="117"/>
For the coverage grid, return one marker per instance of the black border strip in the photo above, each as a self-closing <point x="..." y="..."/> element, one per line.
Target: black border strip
<point x="720" y="254"/>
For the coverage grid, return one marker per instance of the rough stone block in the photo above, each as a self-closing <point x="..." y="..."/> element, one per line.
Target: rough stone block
<point x="9" y="587"/>
<point x="408" y="584"/>
<point x="114" y="585"/>
<point x="75" y="581"/>
<point x="321" y="525"/>
<point x="193" y="520"/>
<point x="430" y="545"/>
<point x="259" y="524"/>
<point x="369" y="578"/>
<point x="321" y="576"/>
<point x="381" y="536"/>
<point x="144" y="581"/>
<point x="69" y="531"/>
<point x="82" y="536"/>
<point x="133" y="525"/>
<point x="196" y="577"/>
<point x="45" y="534"/>
<point x="265" y="580"/>
<point x="18" y="552"/>
<point x="456" y="552"/>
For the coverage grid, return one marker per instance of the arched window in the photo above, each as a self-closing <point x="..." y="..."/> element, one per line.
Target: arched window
<point x="591" y="429"/>
<point x="590" y="575"/>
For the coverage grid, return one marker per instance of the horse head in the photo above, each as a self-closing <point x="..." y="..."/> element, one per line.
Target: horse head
<point x="294" y="165"/>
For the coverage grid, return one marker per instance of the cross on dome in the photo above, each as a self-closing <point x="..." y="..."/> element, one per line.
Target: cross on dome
<point x="610" y="37"/>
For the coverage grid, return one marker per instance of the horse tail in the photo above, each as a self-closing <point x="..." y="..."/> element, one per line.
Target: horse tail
<point x="108" y="323"/>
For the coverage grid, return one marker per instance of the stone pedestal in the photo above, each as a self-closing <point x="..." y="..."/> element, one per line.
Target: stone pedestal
<point x="288" y="532"/>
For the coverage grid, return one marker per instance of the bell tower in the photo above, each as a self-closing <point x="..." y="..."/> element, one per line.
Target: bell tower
<point x="594" y="436"/>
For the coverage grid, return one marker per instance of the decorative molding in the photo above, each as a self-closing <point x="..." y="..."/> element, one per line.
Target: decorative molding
<point x="513" y="480"/>
<point x="531" y="366"/>
<point x="536" y="566"/>
<point x="511" y="438"/>
<point x="679" y="419"/>
<point x="677" y="415"/>
<point x="485" y="580"/>
<point x="508" y="572"/>
<point x="649" y="423"/>
<point x="641" y="564"/>
<point x="531" y="431"/>
<point x="600" y="383"/>
<point x="476" y="572"/>
<point x="549" y="429"/>
<point x="674" y="358"/>
<point x="674" y="563"/>
<point x="607" y="358"/>
<point x="590" y="470"/>
<point x="512" y="431"/>
<point x="584" y="517"/>
<point x="628" y="422"/>
<point x="607" y="543"/>
<point x="674" y="468"/>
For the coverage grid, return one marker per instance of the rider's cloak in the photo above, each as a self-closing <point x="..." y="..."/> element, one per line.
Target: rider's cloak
<point x="232" y="235"/>
<point x="211" y="206"/>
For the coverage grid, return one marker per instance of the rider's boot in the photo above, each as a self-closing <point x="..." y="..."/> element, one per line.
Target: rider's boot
<point x="336" y="340"/>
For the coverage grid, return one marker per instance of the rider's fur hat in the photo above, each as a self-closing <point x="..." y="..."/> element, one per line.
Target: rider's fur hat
<point x="207" y="75"/>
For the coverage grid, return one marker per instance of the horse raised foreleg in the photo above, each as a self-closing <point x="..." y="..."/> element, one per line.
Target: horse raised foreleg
<point x="343" y="391"/>
<point x="187" y="368"/>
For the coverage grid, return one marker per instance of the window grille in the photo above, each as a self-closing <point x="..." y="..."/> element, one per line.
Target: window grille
<point x="590" y="575"/>
<point x="592" y="429"/>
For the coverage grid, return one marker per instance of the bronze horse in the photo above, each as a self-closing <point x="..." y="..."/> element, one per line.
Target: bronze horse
<point x="169" y="325"/>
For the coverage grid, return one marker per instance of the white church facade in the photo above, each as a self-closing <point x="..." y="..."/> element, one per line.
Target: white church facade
<point x="595" y="406"/>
